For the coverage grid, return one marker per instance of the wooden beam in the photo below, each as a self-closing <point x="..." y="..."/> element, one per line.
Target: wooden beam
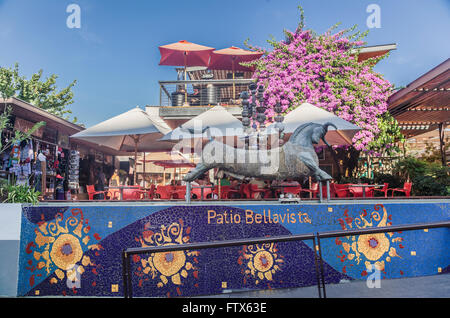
<point x="442" y="143"/>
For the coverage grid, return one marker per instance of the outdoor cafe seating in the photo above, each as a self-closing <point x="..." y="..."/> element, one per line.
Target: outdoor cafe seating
<point x="406" y="189"/>
<point x="245" y="191"/>
<point x="90" y="189"/>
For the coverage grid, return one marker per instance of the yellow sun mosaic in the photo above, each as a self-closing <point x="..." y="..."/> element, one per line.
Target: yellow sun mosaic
<point x="168" y="267"/>
<point x="262" y="261"/>
<point x="58" y="247"/>
<point x="374" y="249"/>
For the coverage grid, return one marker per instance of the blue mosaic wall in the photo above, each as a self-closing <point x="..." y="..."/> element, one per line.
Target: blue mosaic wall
<point x="77" y="250"/>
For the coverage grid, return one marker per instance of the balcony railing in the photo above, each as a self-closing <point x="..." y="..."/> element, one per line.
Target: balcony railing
<point x="202" y="92"/>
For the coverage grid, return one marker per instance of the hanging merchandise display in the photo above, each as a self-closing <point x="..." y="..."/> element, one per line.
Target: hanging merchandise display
<point x="74" y="168"/>
<point x="46" y="163"/>
<point x="39" y="170"/>
<point x="15" y="154"/>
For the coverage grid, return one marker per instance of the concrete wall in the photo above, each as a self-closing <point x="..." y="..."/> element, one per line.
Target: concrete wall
<point x="10" y="219"/>
<point x="76" y="249"/>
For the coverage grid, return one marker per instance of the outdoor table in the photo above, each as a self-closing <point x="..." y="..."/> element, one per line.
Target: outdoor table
<point x="202" y="187"/>
<point x="121" y="188"/>
<point x="364" y="186"/>
<point x="283" y="186"/>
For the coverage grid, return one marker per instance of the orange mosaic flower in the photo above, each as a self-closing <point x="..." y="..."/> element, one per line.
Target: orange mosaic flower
<point x="374" y="249"/>
<point x="373" y="246"/>
<point x="263" y="261"/>
<point x="168" y="265"/>
<point x="60" y="243"/>
<point x="66" y="251"/>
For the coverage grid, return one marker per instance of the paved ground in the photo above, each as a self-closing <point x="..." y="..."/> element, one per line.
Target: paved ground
<point x="437" y="286"/>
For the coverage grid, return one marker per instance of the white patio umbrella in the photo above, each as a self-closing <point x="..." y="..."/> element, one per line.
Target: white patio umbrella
<point x="307" y="113"/>
<point x="133" y="130"/>
<point x="215" y="122"/>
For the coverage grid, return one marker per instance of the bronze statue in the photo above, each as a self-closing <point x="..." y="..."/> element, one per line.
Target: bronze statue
<point x="296" y="159"/>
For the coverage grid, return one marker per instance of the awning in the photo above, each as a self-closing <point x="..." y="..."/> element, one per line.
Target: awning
<point x="424" y="104"/>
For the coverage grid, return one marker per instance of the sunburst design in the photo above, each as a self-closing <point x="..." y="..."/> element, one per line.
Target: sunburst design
<point x="374" y="249"/>
<point x="58" y="248"/>
<point x="261" y="261"/>
<point x="170" y="267"/>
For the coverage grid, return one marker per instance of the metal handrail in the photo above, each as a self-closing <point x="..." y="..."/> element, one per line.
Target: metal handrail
<point x="384" y="229"/>
<point x="208" y="91"/>
<point x="381" y="229"/>
<point x="210" y="81"/>
<point x="126" y="265"/>
<point x="218" y="244"/>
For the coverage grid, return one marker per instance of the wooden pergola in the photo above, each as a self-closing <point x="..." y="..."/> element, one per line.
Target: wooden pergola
<point x="424" y="104"/>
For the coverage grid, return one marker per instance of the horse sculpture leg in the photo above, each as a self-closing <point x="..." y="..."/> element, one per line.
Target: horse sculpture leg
<point x="318" y="173"/>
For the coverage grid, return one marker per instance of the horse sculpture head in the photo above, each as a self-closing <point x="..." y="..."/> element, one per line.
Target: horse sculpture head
<point x="310" y="133"/>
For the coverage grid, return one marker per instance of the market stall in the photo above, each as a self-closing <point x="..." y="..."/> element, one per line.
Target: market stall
<point x="50" y="162"/>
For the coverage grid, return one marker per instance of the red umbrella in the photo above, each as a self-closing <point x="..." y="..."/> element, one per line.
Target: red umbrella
<point x="230" y="59"/>
<point x="184" y="53"/>
<point x="174" y="164"/>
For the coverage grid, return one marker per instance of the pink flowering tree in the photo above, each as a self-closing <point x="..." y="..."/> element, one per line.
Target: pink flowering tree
<point x="324" y="70"/>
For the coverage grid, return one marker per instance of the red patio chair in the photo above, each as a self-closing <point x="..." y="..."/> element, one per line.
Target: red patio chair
<point x="207" y="193"/>
<point x="134" y="192"/>
<point x="151" y="192"/>
<point x="314" y="189"/>
<point x="293" y="190"/>
<point x="131" y="194"/>
<point x="244" y="191"/>
<point x="226" y="191"/>
<point x="91" y="192"/>
<point x="198" y="193"/>
<point x="384" y="189"/>
<point x="143" y="194"/>
<point x="163" y="192"/>
<point x="254" y="190"/>
<point x="324" y="191"/>
<point x="341" y="190"/>
<point x="233" y="193"/>
<point x="357" y="192"/>
<point x="114" y="194"/>
<point x="406" y="189"/>
<point x="178" y="192"/>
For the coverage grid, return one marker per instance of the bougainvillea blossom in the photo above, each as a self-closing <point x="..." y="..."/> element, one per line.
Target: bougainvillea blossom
<point x="323" y="70"/>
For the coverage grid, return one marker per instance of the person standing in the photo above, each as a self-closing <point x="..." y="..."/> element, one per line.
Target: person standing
<point x="115" y="179"/>
<point x="100" y="183"/>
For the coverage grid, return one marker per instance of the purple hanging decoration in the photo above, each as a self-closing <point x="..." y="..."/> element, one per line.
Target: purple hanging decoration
<point x="279" y="118"/>
<point x="261" y="109"/>
<point x="252" y="107"/>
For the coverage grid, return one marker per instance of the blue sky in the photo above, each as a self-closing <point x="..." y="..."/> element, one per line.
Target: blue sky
<point x="114" y="55"/>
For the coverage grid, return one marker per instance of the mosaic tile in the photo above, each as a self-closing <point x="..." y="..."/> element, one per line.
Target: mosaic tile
<point x="77" y="251"/>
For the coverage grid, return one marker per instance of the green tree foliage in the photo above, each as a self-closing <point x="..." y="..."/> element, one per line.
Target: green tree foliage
<point x="387" y="140"/>
<point x="37" y="91"/>
<point x="428" y="179"/>
<point x="18" y="135"/>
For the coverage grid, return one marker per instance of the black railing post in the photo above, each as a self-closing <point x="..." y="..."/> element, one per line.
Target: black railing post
<point x="322" y="275"/>
<point x="188" y="192"/>
<point x="328" y="190"/>
<point x="320" y="192"/>
<point x="129" y="284"/>
<point x="316" y="257"/>
<point x="319" y="266"/>
<point x="125" y="274"/>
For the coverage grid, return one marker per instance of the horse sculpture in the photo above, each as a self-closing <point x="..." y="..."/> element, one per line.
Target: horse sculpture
<point x="296" y="159"/>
